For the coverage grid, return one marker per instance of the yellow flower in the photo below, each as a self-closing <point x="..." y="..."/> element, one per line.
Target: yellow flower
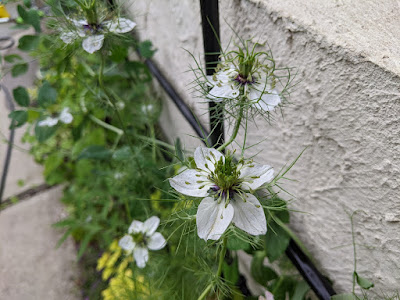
<point x="101" y="262"/>
<point x="107" y="273"/>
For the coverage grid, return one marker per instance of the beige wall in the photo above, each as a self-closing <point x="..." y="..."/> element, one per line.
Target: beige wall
<point x="345" y="110"/>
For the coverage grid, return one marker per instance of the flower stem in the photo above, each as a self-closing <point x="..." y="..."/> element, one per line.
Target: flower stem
<point x="219" y="271"/>
<point x="153" y="141"/>
<point x="112" y="101"/>
<point x="235" y="129"/>
<point x="222" y="256"/>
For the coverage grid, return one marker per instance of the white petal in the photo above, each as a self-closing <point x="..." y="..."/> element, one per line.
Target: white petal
<point x="206" y="158"/>
<point x="126" y="243"/>
<point x="135" y="227"/>
<point x="249" y="216"/>
<point x="255" y="175"/>
<point x="48" y="122"/>
<point x="68" y="36"/>
<point x="93" y="43"/>
<point x="156" y="242"/>
<point x="65" y="116"/>
<point x="267" y="99"/>
<point x="121" y="25"/>
<point x="150" y="225"/>
<point x="213" y="219"/>
<point x="223" y="90"/>
<point x="141" y="256"/>
<point x="78" y="23"/>
<point x="187" y="183"/>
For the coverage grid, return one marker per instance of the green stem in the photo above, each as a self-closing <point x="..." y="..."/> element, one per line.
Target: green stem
<point x="161" y="143"/>
<point x="222" y="256"/>
<point x="219" y="271"/>
<point x="153" y="141"/>
<point x="354" y="252"/>
<point x="106" y="125"/>
<point x="235" y="129"/>
<point x="205" y="292"/>
<point x="111" y="99"/>
<point x="127" y="208"/>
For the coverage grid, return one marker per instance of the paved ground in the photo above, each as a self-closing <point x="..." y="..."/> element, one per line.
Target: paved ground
<point x="24" y="172"/>
<point x="30" y="266"/>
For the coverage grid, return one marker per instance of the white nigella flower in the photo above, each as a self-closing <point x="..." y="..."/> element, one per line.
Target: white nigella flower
<point x="228" y="82"/>
<point x="226" y="186"/>
<point x="268" y="296"/>
<point x="141" y="237"/>
<point x="93" y="34"/>
<point x="64" y="117"/>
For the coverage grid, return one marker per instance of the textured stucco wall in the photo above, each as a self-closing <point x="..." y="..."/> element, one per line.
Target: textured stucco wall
<point x="345" y="109"/>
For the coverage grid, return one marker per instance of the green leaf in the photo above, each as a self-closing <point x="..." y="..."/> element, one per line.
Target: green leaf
<point x="282" y="286"/>
<point x="343" y="297"/>
<point x="363" y="282"/>
<point x="22" y="12"/>
<point x="300" y="290"/>
<point x="95" y="152"/>
<point x="118" y="53"/>
<point x="261" y="273"/>
<point x="235" y="243"/>
<point x="27" y="3"/>
<point x="231" y="272"/>
<point x="140" y="71"/>
<point x="28" y="42"/>
<point x="47" y="95"/>
<point x="85" y="242"/>
<point x="178" y="150"/>
<point x="53" y="161"/>
<point x="146" y="49"/>
<point x="123" y="153"/>
<point x="276" y="241"/>
<point x="21" y="96"/>
<point x="19" y="118"/>
<point x="30" y="17"/>
<point x="19" y="69"/>
<point x="11" y="58"/>
<point x="42" y="133"/>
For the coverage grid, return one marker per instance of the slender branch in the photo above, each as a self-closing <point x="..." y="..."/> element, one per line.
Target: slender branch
<point x="354" y="251"/>
<point x="161" y="143"/>
<point x="219" y="271"/>
<point x="235" y="129"/>
<point x="111" y="99"/>
<point x="153" y="141"/>
<point x="106" y="125"/>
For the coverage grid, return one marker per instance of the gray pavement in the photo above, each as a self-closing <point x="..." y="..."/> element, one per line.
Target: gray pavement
<point x="23" y="172"/>
<point x="30" y="265"/>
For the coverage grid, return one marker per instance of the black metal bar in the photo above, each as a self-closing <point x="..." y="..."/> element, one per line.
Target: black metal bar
<point x="181" y="105"/>
<point x="11" y="107"/>
<point x="314" y="278"/>
<point x="210" y="26"/>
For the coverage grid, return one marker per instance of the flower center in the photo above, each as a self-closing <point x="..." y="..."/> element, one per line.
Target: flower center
<point x="92" y="28"/>
<point x="226" y="178"/>
<point x="139" y="238"/>
<point x="244" y="80"/>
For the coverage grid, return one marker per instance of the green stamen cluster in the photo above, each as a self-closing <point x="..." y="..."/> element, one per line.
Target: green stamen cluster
<point x="226" y="174"/>
<point x="139" y="238"/>
<point x="226" y="179"/>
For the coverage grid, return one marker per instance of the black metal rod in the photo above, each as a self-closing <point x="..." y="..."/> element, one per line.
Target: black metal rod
<point x="212" y="49"/>
<point x="314" y="278"/>
<point x="10" y="144"/>
<point x="181" y="105"/>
